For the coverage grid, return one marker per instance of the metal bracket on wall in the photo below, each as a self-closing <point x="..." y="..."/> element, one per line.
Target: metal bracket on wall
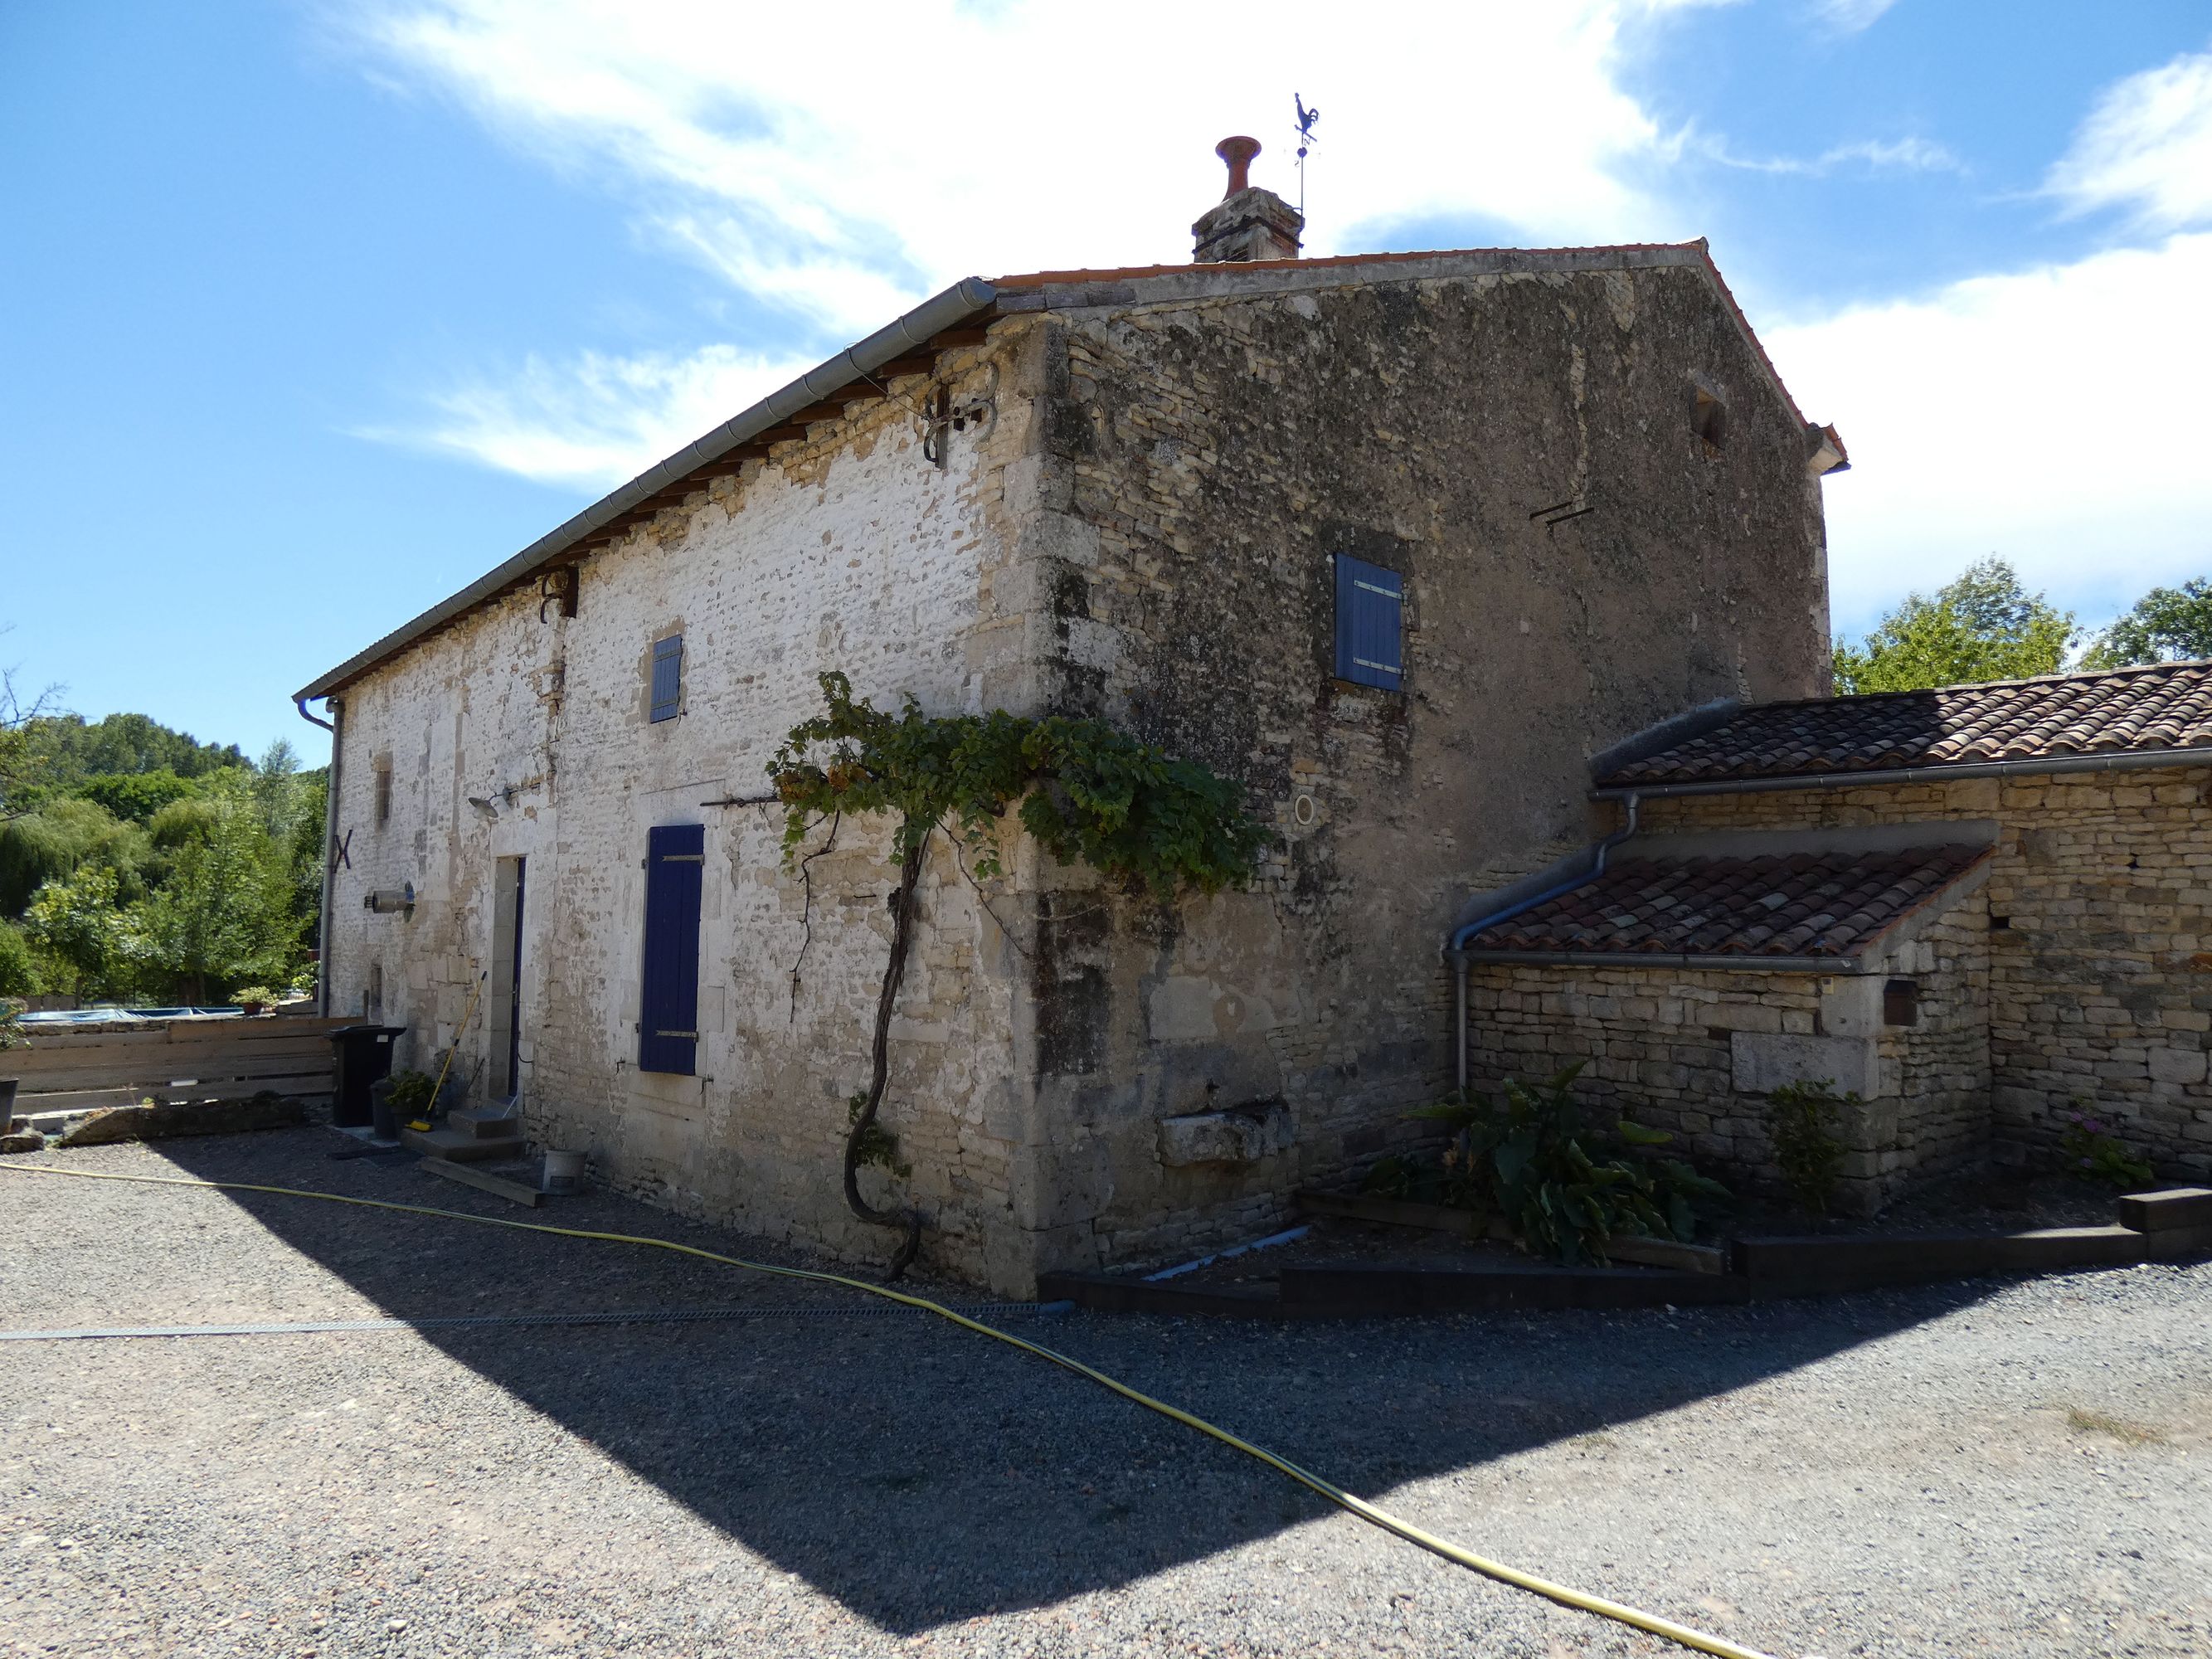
<point x="1558" y="513"/>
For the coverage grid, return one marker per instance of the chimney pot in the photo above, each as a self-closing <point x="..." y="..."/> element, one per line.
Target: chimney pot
<point x="1248" y="223"/>
<point x="1238" y="152"/>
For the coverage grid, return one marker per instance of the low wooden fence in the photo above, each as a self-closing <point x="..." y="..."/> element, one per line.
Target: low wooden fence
<point x="66" y="1067"/>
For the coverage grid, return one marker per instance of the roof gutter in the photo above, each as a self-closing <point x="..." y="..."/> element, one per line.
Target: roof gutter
<point x="1656" y="959"/>
<point x="2133" y="760"/>
<point x="932" y="317"/>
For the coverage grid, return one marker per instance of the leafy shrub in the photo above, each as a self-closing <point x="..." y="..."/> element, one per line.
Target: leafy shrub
<point x="2093" y="1150"/>
<point x="19" y="969"/>
<point x="1801" y="1122"/>
<point x="1530" y="1157"/>
<point x="411" y="1093"/>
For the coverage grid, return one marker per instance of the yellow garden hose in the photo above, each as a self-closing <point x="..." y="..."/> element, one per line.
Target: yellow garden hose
<point x="1366" y="1511"/>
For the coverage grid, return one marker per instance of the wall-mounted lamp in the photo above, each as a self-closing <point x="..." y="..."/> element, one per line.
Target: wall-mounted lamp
<point x="485" y="810"/>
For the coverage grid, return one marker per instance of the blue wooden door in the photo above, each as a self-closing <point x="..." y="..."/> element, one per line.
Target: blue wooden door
<point x="668" y="1016"/>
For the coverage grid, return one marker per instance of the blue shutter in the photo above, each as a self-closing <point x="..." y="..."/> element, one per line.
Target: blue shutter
<point x="1370" y="608"/>
<point x="667" y="677"/>
<point x="668" y="1010"/>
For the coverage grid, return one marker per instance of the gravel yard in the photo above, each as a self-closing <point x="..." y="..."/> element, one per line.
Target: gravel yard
<point x="2010" y="1469"/>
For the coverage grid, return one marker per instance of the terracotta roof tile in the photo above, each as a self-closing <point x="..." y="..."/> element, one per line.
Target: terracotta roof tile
<point x="1796" y="904"/>
<point x="2122" y="711"/>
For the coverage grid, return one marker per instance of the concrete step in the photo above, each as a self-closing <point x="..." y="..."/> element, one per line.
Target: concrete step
<point x="484" y="1125"/>
<point x="457" y="1144"/>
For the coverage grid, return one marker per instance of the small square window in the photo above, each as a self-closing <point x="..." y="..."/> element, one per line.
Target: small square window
<point x="1370" y="624"/>
<point x="668" y="678"/>
<point x="1901" y="1003"/>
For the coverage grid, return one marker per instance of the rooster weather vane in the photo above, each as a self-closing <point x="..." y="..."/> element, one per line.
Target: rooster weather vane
<point x="1306" y="141"/>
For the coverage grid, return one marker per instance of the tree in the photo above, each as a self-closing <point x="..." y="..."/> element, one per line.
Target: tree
<point x="224" y="916"/>
<point x="79" y="935"/>
<point x="1983" y="626"/>
<point x="60" y="837"/>
<point x="22" y="743"/>
<point x="2168" y="625"/>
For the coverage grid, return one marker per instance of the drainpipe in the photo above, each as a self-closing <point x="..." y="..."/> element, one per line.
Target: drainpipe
<point x="330" y="842"/>
<point x="1456" y="951"/>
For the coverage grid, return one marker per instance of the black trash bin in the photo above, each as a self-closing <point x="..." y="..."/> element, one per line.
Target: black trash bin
<point x="364" y="1055"/>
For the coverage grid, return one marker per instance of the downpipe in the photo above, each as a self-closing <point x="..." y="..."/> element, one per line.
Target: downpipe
<point x="330" y="843"/>
<point x="1456" y="951"/>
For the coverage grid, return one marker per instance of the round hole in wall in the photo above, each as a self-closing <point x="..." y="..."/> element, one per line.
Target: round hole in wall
<point x="1302" y="810"/>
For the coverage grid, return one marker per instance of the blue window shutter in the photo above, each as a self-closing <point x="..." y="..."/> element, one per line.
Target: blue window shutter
<point x="667" y="677"/>
<point x="1371" y="614"/>
<point x="668" y="1009"/>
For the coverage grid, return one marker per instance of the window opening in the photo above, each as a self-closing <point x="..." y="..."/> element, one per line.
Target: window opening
<point x="1370" y="623"/>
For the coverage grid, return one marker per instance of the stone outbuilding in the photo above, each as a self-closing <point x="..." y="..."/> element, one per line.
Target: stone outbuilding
<point x="1397" y="541"/>
<point x="1979" y="910"/>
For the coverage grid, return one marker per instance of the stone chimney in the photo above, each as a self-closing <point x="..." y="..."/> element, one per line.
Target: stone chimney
<point x="1248" y="223"/>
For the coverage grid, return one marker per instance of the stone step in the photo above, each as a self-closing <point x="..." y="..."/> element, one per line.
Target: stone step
<point x="484" y="1125"/>
<point x="457" y="1144"/>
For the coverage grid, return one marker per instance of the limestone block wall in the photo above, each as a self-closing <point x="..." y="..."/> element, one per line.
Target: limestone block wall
<point x="2100" y="939"/>
<point x="1694" y="1052"/>
<point x="1206" y="455"/>
<point x="849" y="551"/>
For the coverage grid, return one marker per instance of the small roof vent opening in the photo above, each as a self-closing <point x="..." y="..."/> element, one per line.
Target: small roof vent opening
<point x="1249" y="223"/>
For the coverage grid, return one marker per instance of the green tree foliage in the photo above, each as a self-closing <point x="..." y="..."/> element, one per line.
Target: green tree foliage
<point x="2168" y="625"/>
<point x="224" y="916"/>
<point x="1983" y="626"/>
<point x="19" y="969"/>
<point x="76" y="750"/>
<point x="136" y="796"/>
<point x="81" y="935"/>
<point x="61" y="837"/>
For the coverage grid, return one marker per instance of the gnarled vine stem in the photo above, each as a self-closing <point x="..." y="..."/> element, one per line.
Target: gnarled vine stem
<point x="856" y="1138"/>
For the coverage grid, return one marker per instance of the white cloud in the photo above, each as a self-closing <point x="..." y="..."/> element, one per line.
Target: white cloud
<point x="2054" y="416"/>
<point x="1850" y="17"/>
<point x="1908" y="155"/>
<point x="595" y="420"/>
<point x="2146" y="147"/>
<point x="842" y="164"/>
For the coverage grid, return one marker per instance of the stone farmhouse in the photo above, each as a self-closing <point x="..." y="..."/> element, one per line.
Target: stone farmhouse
<point x="1978" y="910"/>
<point x="1401" y="541"/>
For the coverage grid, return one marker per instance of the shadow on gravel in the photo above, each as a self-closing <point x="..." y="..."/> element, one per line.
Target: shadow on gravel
<point x="923" y="1476"/>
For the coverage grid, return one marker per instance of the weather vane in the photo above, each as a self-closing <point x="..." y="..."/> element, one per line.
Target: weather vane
<point x="1306" y="141"/>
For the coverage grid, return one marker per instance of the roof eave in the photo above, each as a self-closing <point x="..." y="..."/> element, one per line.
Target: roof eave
<point x="932" y="317"/>
<point x="2125" y="760"/>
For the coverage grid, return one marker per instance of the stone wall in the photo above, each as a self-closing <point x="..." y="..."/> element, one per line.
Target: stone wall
<point x="1695" y="1051"/>
<point x="2100" y="940"/>
<point x="1141" y="528"/>
<point x="1209" y="450"/>
<point x="850" y="550"/>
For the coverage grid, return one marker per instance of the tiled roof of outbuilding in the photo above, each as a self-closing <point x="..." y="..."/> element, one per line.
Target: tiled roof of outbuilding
<point x="1795" y="904"/>
<point x="2060" y="716"/>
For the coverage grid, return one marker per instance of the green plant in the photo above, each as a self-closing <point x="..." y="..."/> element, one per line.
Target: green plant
<point x="411" y="1093"/>
<point x="1088" y="792"/>
<point x="1091" y="793"/>
<point x="2093" y="1150"/>
<point x="877" y="1146"/>
<point x="1530" y="1156"/>
<point x="12" y="1035"/>
<point x="253" y="994"/>
<point x="1801" y="1121"/>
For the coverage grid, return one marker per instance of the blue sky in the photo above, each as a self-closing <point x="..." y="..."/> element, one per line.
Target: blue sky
<point x="317" y="311"/>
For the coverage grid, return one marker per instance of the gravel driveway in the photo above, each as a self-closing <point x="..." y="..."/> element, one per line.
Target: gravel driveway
<point x="2008" y="1469"/>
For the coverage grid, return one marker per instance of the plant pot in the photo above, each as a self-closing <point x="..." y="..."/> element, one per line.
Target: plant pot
<point x="7" y="1101"/>
<point x="384" y="1122"/>
<point x="251" y="1009"/>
